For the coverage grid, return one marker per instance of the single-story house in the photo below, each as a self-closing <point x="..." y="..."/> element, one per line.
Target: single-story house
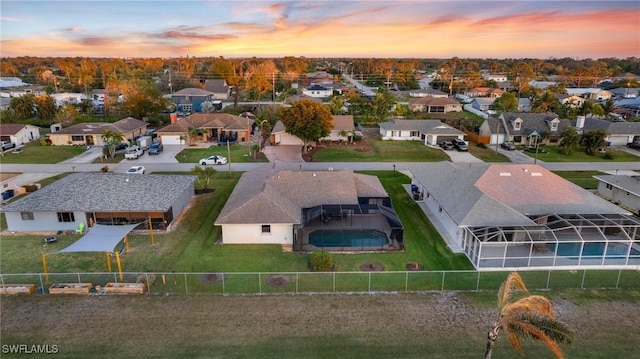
<point x="430" y="132"/>
<point x="343" y="128"/>
<point x="5" y="103"/>
<point x="529" y="129"/>
<point x="621" y="189"/>
<point x="102" y="198"/>
<point x="495" y="77"/>
<point x="598" y="95"/>
<point x="427" y="92"/>
<point x="280" y="136"/>
<point x="573" y="101"/>
<point x="341" y="123"/>
<point x="215" y="127"/>
<point x="620" y="133"/>
<point x="317" y="91"/>
<point x="19" y="133"/>
<point x="189" y="100"/>
<point x="522" y="216"/>
<point x="306" y="210"/>
<point x="219" y="88"/>
<point x="483" y="103"/>
<point x="524" y="104"/>
<point x="435" y="105"/>
<point x="68" y="97"/>
<point x="625" y="92"/>
<point x="484" y="92"/>
<point x="90" y="133"/>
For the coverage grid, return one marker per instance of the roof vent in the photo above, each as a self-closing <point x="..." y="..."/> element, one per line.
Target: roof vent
<point x="505" y="174"/>
<point x="536" y="174"/>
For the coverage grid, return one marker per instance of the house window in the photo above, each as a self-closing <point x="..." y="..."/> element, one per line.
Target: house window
<point x="414" y="134"/>
<point x="66" y="217"/>
<point x="609" y="186"/>
<point x="393" y="133"/>
<point x="266" y="229"/>
<point x="77" y="138"/>
<point x="439" y="109"/>
<point x="516" y="125"/>
<point x="554" y="126"/>
<point x="26" y="216"/>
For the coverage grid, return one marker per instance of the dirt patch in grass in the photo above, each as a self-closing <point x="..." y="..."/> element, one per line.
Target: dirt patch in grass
<point x="414" y="266"/>
<point x="278" y="281"/>
<point x="371" y="267"/>
<point x="212" y="277"/>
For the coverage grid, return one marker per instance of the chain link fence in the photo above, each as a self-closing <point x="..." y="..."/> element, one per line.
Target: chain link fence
<point x="237" y="283"/>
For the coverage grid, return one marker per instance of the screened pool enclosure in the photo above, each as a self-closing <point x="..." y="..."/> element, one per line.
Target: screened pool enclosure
<point x="359" y="227"/>
<point x="558" y="240"/>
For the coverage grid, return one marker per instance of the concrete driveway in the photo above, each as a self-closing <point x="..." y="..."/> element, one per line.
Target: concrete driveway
<point x="457" y="156"/>
<point x="283" y="153"/>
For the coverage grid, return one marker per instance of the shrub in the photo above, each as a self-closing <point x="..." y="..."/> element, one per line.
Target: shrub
<point x="607" y="156"/>
<point x="321" y="261"/>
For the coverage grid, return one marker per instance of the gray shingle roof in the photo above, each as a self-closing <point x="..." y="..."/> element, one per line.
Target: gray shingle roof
<point x="106" y="192"/>
<point x="627" y="183"/>
<point x="482" y="195"/>
<point x="122" y="126"/>
<point x="424" y="126"/>
<point x="533" y="122"/>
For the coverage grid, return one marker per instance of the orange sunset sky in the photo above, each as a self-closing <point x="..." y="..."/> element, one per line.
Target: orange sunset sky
<point x="423" y="29"/>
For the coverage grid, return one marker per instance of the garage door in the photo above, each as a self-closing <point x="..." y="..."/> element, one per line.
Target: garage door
<point x="171" y="140"/>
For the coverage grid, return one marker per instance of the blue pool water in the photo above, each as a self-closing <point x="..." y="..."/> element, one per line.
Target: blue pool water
<point x="615" y="250"/>
<point x="359" y="238"/>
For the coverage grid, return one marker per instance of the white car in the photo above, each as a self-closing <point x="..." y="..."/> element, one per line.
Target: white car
<point x="213" y="160"/>
<point x="136" y="170"/>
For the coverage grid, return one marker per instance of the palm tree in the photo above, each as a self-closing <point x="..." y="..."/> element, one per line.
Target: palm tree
<point x="522" y="315"/>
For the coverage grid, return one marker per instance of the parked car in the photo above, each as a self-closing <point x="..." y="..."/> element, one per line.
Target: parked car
<point x="133" y="153"/>
<point x="510" y="146"/>
<point x="6" y="145"/>
<point x="136" y="170"/>
<point x="460" y="145"/>
<point x="213" y="160"/>
<point x="122" y="146"/>
<point x="155" y="148"/>
<point x="446" y="145"/>
<point x="635" y="145"/>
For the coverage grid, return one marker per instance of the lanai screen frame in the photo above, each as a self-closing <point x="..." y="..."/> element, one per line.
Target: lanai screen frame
<point x="345" y="217"/>
<point x="557" y="241"/>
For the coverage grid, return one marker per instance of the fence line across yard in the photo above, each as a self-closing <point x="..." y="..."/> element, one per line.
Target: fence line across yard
<point x="248" y="283"/>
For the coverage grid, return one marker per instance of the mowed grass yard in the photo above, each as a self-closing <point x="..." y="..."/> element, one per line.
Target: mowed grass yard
<point x="239" y="154"/>
<point x="376" y="150"/>
<point x="190" y="247"/>
<point x="429" y="325"/>
<point x="579" y="155"/>
<point x="34" y="152"/>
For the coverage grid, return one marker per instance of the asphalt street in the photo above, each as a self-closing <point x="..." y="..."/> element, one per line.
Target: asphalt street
<point x="287" y="157"/>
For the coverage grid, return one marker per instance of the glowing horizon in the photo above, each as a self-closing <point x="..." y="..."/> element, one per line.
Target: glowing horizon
<point x="404" y="29"/>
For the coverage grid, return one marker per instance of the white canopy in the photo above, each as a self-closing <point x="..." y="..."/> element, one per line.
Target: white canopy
<point x="100" y="238"/>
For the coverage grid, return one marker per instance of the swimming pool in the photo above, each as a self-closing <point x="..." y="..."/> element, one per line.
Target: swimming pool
<point x="348" y="238"/>
<point x="614" y="250"/>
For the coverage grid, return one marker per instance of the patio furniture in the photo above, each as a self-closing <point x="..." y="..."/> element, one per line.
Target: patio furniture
<point x="80" y="228"/>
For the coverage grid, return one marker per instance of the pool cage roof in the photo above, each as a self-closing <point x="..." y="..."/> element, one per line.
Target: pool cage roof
<point x="565" y="228"/>
<point x="353" y="210"/>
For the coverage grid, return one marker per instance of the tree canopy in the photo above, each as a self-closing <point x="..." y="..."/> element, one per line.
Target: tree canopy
<point x="307" y="119"/>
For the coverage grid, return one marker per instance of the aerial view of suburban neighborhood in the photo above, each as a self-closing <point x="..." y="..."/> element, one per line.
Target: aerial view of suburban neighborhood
<point x="311" y="179"/>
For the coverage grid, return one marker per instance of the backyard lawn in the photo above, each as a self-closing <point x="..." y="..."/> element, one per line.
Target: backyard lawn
<point x="191" y="247"/>
<point x="34" y="152"/>
<point x="239" y="154"/>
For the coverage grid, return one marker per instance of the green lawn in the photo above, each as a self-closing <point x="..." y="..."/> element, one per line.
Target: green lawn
<point x="487" y="154"/>
<point x="381" y="151"/>
<point x="553" y="155"/>
<point x="239" y="154"/>
<point x="33" y="152"/>
<point x="191" y="246"/>
<point x="583" y="179"/>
